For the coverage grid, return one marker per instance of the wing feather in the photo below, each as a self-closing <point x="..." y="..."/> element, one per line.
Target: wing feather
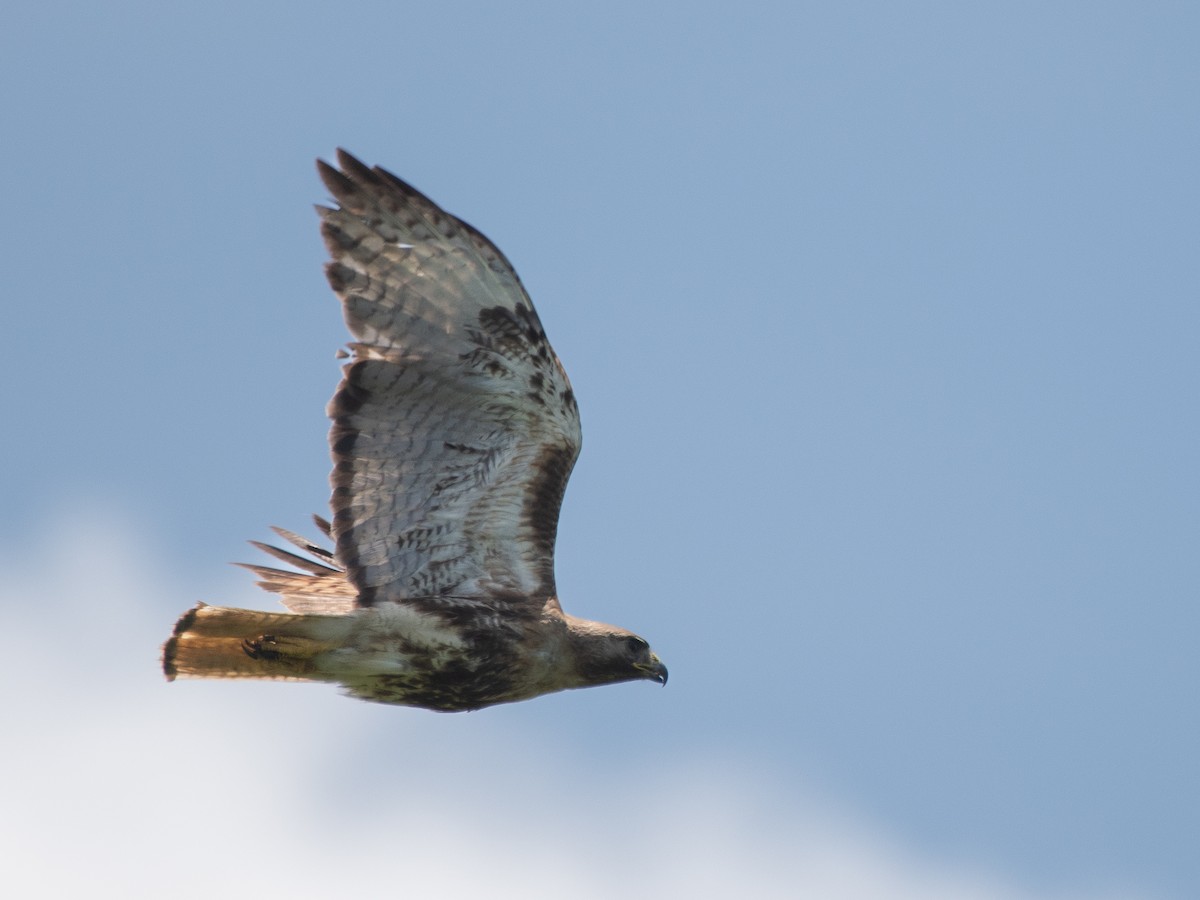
<point x="454" y="427"/>
<point x="320" y="586"/>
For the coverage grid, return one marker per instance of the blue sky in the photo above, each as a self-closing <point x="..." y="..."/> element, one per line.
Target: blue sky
<point x="883" y="321"/>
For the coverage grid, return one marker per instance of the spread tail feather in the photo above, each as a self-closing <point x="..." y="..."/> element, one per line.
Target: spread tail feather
<point x="220" y="642"/>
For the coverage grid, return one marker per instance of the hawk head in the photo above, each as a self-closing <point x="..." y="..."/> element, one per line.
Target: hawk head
<point x="606" y="654"/>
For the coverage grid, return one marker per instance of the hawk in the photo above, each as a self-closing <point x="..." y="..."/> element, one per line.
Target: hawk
<point x="454" y="433"/>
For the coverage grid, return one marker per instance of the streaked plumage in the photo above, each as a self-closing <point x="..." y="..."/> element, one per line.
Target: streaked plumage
<point x="454" y="433"/>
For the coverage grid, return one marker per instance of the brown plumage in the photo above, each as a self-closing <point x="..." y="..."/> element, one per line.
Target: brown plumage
<point x="454" y="432"/>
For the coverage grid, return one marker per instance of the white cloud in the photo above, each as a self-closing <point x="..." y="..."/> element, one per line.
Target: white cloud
<point x="117" y="784"/>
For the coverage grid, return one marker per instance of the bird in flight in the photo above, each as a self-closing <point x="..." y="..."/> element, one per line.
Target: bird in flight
<point x="454" y="433"/>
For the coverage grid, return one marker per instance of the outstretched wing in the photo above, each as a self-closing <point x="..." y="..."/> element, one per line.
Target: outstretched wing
<point x="454" y="426"/>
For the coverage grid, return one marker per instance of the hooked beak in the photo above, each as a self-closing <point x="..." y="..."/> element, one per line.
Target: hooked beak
<point x="653" y="670"/>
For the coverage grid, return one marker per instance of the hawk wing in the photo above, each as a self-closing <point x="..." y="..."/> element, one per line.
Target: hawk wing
<point x="454" y="427"/>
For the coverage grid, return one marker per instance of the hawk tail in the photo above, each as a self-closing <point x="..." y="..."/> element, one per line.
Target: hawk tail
<point x="220" y="642"/>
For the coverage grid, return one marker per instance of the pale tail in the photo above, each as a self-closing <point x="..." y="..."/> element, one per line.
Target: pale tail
<point x="220" y="642"/>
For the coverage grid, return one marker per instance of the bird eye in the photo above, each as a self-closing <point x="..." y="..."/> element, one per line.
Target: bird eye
<point x="636" y="645"/>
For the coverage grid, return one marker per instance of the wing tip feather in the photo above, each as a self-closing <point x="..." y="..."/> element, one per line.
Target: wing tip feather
<point x="337" y="183"/>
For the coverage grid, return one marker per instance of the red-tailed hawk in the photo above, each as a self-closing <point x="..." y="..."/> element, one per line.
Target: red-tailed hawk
<point x="454" y="433"/>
